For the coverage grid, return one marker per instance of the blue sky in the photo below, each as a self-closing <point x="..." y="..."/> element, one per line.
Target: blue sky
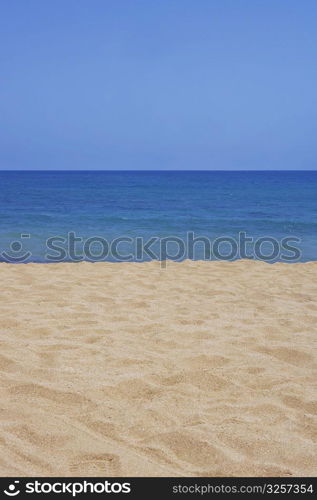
<point x="168" y="84"/>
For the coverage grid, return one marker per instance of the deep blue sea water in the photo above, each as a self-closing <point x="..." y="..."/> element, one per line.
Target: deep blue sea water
<point x="131" y="204"/>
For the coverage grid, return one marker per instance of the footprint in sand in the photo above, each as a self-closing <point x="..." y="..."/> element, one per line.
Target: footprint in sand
<point x="105" y="464"/>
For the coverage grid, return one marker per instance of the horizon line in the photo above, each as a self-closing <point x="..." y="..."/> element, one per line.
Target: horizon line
<point x="157" y="170"/>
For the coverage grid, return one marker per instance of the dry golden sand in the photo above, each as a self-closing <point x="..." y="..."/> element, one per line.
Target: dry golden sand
<point x="203" y="368"/>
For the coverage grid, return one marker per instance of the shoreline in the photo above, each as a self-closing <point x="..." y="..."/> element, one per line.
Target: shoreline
<point x="159" y="262"/>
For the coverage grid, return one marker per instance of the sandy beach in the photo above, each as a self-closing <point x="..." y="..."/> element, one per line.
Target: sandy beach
<point x="202" y="368"/>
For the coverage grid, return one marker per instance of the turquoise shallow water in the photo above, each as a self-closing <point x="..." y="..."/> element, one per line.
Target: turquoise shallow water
<point x="37" y="205"/>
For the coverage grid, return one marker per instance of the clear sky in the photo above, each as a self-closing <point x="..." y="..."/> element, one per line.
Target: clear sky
<point x="158" y="84"/>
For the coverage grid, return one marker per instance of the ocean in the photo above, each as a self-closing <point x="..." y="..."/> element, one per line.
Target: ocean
<point x="53" y="216"/>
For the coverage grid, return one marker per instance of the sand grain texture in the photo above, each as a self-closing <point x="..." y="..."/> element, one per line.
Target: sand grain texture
<point x="203" y="368"/>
